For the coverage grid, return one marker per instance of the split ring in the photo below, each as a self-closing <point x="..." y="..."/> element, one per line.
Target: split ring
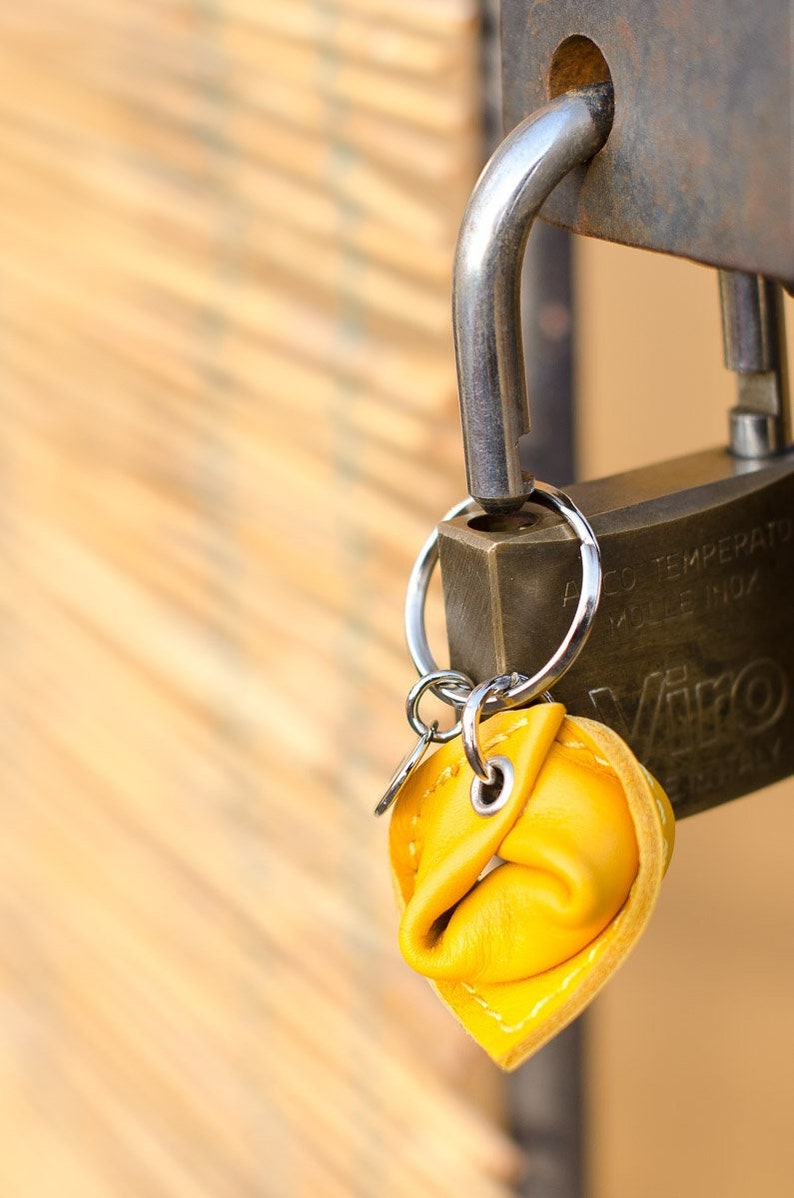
<point x="432" y="681"/>
<point x="528" y="689"/>
<point x="470" y="723"/>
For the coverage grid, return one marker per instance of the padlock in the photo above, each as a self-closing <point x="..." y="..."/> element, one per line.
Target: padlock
<point x="691" y="653"/>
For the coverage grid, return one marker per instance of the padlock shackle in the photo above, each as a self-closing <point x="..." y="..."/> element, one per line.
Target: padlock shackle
<point x="486" y="316"/>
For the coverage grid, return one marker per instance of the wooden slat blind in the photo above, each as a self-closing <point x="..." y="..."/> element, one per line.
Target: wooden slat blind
<point x="228" y="422"/>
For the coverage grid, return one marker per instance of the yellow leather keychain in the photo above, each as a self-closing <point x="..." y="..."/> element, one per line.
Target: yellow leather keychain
<point x="519" y="918"/>
<point x="528" y="851"/>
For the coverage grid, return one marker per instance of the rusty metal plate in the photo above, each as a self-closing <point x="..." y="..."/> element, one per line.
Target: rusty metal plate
<point x="700" y="161"/>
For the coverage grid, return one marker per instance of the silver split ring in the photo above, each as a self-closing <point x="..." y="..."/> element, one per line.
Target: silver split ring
<point x="470" y="722"/>
<point x="433" y="681"/>
<point x="527" y="689"/>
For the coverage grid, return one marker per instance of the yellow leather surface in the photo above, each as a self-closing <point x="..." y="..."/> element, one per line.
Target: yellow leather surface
<point x="583" y="842"/>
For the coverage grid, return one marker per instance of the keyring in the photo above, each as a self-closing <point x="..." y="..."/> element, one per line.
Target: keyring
<point x="470" y="722"/>
<point x="561" y="660"/>
<point x="415" y="601"/>
<point x="432" y="682"/>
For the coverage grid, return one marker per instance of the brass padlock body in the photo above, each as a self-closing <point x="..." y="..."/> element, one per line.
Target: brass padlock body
<point x="691" y="653"/>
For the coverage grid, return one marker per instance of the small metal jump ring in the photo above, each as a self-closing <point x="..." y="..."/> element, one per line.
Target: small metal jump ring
<point x="431" y="681"/>
<point x="470" y="722"/>
<point x="530" y="688"/>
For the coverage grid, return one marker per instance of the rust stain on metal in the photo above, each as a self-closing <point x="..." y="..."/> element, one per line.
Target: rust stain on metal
<point x="700" y="159"/>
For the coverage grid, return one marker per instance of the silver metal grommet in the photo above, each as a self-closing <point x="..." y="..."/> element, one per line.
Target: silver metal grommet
<point x="483" y="800"/>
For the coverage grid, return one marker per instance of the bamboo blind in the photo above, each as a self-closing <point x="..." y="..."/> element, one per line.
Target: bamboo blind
<point x="228" y="422"/>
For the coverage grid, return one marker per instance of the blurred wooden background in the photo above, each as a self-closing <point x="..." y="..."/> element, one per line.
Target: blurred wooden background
<point x="228" y="422"/>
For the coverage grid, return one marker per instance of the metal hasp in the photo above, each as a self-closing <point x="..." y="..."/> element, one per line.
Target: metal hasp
<point x="691" y="653"/>
<point x="754" y="336"/>
<point x="700" y="161"/>
<point x="486" y="287"/>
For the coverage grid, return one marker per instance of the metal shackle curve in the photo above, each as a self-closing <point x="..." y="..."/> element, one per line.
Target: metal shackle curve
<point x="509" y="193"/>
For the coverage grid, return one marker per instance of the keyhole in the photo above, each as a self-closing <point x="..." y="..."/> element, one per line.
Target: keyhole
<point x="577" y="61"/>
<point x="512" y="522"/>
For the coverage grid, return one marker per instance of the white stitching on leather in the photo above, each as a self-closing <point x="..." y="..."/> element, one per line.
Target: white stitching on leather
<point x="445" y="776"/>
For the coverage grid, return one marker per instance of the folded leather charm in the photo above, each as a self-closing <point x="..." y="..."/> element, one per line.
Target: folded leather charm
<point x="517" y="950"/>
